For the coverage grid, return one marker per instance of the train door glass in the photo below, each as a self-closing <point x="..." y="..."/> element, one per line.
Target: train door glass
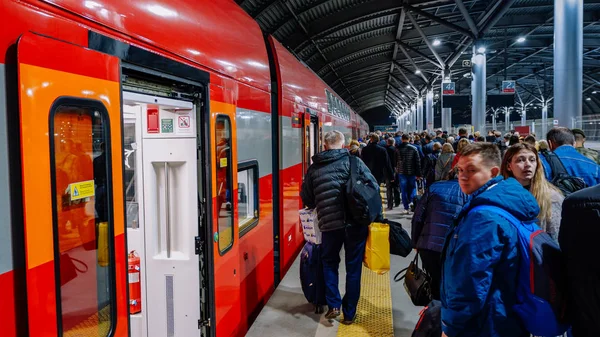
<point x="165" y="156"/>
<point x="72" y="191"/>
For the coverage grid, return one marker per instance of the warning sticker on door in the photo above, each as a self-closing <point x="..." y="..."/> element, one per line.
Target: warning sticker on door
<point x="166" y="126"/>
<point x="184" y="122"/>
<point x="82" y="190"/>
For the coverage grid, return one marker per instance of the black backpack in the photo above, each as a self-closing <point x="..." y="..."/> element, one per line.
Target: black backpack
<point x="565" y="182"/>
<point x="362" y="197"/>
<point x="430" y="322"/>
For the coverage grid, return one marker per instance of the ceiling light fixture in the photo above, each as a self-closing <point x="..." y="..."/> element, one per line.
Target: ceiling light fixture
<point x="417" y="71"/>
<point x="521" y="39"/>
<point x="408" y="87"/>
<point x="481" y="50"/>
<point x="437" y="42"/>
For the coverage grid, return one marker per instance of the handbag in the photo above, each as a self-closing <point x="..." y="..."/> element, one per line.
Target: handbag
<point x="400" y="243"/>
<point x="416" y="282"/>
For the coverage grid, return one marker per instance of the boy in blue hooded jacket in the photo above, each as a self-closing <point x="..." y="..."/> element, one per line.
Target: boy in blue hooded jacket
<point x="480" y="268"/>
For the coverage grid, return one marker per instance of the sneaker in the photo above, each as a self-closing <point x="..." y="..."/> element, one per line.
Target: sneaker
<point x="332" y="313"/>
<point x="405" y="211"/>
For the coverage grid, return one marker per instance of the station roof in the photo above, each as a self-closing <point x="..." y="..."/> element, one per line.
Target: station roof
<point x="383" y="52"/>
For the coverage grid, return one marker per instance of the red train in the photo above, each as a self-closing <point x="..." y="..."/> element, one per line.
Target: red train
<point x="174" y="129"/>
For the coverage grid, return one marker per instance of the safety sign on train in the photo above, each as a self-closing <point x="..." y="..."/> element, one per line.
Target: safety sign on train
<point x="82" y="190"/>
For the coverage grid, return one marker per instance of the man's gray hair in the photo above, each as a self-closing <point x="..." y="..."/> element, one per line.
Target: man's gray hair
<point x="334" y="139"/>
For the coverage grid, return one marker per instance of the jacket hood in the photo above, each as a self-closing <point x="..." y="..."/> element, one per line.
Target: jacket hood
<point x="507" y="194"/>
<point x="329" y="156"/>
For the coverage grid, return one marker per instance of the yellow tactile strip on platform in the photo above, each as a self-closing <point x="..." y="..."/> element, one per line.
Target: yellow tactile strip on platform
<point x="96" y="325"/>
<point x="374" y="312"/>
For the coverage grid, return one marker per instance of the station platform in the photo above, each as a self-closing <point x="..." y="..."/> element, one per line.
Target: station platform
<point x="384" y="308"/>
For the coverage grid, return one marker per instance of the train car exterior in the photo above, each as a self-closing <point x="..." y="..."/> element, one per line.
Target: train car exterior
<point x="156" y="129"/>
<point x="308" y="109"/>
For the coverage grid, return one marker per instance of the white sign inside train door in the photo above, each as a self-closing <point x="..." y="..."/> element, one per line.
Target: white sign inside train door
<point x="184" y="124"/>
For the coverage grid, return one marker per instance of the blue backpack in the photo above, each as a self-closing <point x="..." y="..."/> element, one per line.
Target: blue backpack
<point x="540" y="290"/>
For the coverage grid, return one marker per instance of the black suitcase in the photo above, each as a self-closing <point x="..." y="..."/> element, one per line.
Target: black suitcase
<point x="311" y="276"/>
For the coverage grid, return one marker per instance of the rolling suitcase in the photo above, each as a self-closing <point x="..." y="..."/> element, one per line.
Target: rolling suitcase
<point x="311" y="276"/>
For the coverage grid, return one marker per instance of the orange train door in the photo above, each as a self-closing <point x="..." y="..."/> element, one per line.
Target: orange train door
<point x="70" y="110"/>
<point x="306" y="153"/>
<point x="225" y="235"/>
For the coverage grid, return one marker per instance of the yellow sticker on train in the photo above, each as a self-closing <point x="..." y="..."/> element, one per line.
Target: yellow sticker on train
<point x="82" y="190"/>
<point x="223" y="162"/>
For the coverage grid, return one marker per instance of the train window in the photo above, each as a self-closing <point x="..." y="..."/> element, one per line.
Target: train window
<point x="224" y="183"/>
<point x="130" y="175"/>
<point x="82" y="217"/>
<point x="248" y="200"/>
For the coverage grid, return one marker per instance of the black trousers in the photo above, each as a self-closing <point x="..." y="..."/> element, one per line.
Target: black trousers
<point x="433" y="265"/>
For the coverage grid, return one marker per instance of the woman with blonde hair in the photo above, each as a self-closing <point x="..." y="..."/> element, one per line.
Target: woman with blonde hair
<point x="522" y="162"/>
<point x="354" y="148"/>
<point x="443" y="165"/>
<point x="461" y="145"/>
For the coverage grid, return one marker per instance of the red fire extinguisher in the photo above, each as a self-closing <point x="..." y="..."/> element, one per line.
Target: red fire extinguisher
<point x="135" y="285"/>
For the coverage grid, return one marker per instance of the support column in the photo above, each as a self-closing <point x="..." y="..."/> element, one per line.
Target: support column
<point x="524" y="116"/>
<point x="494" y="119"/>
<point x="429" y="111"/>
<point x="544" y="121"/>
<point x="420" y="114"/>
<point x="478" y="91"/>
<point x="506" y="119"/>
<point x="413" y="116"/>
<point x="447" y="112"/>
<point x="568" y="61"/>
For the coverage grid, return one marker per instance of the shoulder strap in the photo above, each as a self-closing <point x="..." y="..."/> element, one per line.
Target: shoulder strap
<point x="556" y="164"/>
<point x="502" y="212"/>
<point x="353" y="168"/>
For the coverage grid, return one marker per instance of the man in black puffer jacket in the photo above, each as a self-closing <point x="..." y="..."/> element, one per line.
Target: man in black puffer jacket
<point x="408" y="167"/>
<point x="323" y="188"/>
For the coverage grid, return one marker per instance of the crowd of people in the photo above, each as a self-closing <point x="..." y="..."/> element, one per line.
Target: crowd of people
<point x="471" y="254"/>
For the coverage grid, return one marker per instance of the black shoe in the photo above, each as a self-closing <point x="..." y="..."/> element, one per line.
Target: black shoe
<point x="319" y="309"/>
<point x="348" y="321"/>
<point x="332" y="313"/>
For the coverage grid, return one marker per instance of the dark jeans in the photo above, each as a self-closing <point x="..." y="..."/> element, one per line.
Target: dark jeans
<point x="397" y="192"/>
<point x="433" y="266"/>
<point x="391" y="190"/>
<point x="407" y="187"/>
<point x="353" y="238"/>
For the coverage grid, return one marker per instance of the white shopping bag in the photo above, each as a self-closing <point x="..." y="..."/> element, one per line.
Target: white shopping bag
<point x="310" y="225"/>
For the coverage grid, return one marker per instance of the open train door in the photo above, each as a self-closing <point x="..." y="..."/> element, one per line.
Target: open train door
<point x="70" y="113"/>
<point x="312" y="138"/>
